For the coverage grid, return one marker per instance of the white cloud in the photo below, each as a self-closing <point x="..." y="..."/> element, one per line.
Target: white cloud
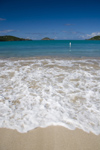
<point x="86" y="36"/>
<point x="2" y="19"/>
<point x="55" y="37"/>
<point x="82" y="36"/>
<point x="93" y="34"/>
<point x="6" y="31"/>
<point x="64" y="31"/>
<point x="33" y="38"/>
<point x="68" y="24"/>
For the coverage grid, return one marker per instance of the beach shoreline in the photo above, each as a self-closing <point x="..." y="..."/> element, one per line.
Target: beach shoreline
<point x="48" y="58"/>
<point x="42" y="92"/>
<point x="49" y="138"/>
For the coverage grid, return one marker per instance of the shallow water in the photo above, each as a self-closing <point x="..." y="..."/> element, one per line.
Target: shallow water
<point x="38" y="92"/>
<point x="55" y="48"/>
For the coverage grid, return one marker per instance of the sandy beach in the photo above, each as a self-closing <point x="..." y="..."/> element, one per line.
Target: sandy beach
<point x="50" y="138"/>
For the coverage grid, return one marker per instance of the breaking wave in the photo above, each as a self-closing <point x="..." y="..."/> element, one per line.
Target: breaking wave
<point x="42" y="92"/>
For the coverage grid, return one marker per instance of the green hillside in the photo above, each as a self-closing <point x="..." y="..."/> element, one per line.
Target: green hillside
<point x="95" y="38"/>
<point x="46" y="38"/>
<point x="12" y="38"/>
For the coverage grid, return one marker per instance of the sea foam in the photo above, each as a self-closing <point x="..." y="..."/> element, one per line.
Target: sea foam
<point x="42" y="92"/>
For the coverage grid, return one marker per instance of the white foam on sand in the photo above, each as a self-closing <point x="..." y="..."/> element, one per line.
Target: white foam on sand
<point x="42" y="92"/>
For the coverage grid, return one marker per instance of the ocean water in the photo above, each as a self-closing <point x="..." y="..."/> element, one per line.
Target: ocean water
<point x="46" y="83"/>
<point x="59" y="48"/>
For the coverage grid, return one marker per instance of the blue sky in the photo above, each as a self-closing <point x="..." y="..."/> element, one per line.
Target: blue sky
<point x="35" y="19"/>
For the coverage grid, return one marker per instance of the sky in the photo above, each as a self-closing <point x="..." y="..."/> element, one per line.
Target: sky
<point x="61" y="20"/>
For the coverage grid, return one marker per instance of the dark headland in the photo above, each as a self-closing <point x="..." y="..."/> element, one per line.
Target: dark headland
<point x="12" y="38"/>
<point x="95" y="38"/>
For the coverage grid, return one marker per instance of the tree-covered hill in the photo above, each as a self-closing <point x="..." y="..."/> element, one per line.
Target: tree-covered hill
<point x="12" y="38"/>
<point x="46" y="38"/>
<point x="95" y="38"/>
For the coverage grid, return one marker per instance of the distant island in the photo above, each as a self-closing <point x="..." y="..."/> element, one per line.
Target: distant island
<point x="95" y="38"/>
<point x="12" y="38"/>
<point x="46" y="38"/>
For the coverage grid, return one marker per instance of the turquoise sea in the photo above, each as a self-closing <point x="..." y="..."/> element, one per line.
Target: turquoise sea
<point x="79" y="48"/>
<point x="45" y="83"/>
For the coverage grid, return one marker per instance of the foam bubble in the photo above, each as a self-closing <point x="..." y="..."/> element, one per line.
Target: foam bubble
<point x="42" y="92"/>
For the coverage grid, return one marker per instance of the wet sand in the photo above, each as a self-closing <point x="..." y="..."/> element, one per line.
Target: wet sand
<point x="50" y="138"/>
